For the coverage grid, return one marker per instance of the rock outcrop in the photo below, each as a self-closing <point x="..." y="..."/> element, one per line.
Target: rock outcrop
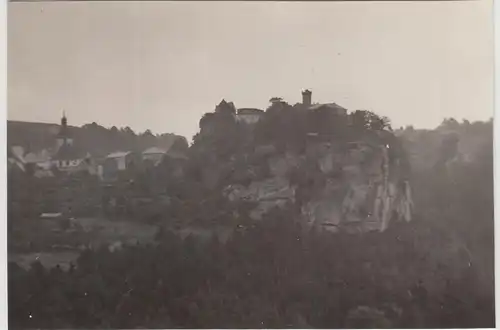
<point x="268" y="194"/>
<point x="358" y="190"/>
<point x="365" y="196"/>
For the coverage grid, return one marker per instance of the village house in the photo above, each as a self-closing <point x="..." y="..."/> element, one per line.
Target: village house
<point x="153" y="154"/>
<point x="117" y="162"/>
<point x="121" y="159"/>
<point x="40" y="159"/>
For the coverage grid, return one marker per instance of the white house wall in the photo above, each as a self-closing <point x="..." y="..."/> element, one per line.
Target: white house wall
<point x="249" y="119"/>
<point x="67" y="164"/>
<point x="121" y="163"/>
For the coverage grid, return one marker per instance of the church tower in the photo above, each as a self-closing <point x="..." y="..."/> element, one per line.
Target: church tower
<point x="64" y="137"/>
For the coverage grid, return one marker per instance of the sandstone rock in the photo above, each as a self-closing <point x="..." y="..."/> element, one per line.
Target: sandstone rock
<point x="366" y="199"/>
<point x="274" y="192"/>
<point x="265" y="206"/>
<point x="323" y="214"/>
<point x="281" y="166"/>
<point x="369" y="193"/>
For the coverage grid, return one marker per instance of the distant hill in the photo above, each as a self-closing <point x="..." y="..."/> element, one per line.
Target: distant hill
<point x="96" y="139"/>
<point x="425" y="147"/>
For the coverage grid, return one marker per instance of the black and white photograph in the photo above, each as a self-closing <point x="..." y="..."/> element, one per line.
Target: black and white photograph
<point x="250" y="164"/>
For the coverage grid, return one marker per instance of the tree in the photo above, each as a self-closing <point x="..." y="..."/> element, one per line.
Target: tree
<point x="128" y="131"/>
<point x="148" y="133"/>
<point x="449" y="148"/>
<point x="449" y="124"/>
<point x="378" y="123"/>
<point x="364" y="119"/>
<point x="180" y="145"/>
<point x="359" y="119"/>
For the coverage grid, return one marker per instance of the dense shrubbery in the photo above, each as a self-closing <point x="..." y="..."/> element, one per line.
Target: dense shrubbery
<point x="457" y="197"/>
<point x="272" y="275"/>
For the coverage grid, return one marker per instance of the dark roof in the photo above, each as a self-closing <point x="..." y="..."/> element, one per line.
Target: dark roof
<point x="69" y="152"/>
<point x="248" y="111"/>
<point x="332" y="106"/>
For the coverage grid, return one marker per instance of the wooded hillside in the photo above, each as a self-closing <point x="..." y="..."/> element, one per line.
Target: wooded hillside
<point x="96" y="139"/>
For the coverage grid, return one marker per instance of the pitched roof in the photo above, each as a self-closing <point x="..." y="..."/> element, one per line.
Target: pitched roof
<point x="39" y="157"/>
<point x="250" y="111"/>
<point x="154" y="151"/>
<point x="118" y="154"/>
<point x="334" y="106"/>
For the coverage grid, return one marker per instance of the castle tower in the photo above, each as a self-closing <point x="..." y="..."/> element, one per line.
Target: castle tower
<point x="307" y="98"/>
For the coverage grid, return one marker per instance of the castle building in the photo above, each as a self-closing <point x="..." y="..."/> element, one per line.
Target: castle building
<point x="327" y="107"/>
<point x="249" y="115"/>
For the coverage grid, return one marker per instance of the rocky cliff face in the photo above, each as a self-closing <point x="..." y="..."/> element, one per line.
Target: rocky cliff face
<point x="356" y="191"/>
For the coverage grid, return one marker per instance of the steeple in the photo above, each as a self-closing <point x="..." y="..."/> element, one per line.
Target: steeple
<point x="64" y="120"/>
<point x="63" y="137"/>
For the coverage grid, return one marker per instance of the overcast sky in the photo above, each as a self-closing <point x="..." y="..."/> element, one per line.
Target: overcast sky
<point x="161" y="65"/>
